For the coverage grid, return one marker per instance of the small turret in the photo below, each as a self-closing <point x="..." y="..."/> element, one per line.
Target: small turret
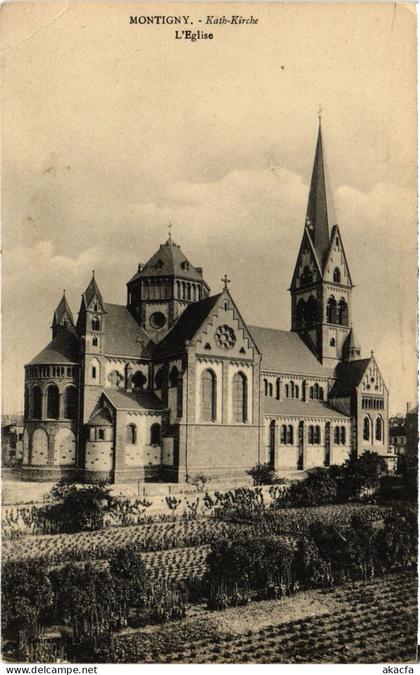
<point x="351" y="347"/>
<point x="63" y="316"/>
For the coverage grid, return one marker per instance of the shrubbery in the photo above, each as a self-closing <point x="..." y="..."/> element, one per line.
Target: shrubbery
<point x="79" y="507"/>
<point x="263" y="474"/>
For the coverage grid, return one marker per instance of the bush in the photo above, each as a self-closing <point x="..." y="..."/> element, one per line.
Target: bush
<point x="358" y="476"/>
<point x="263" y="474"/>
<point x="318" y="489"/>
<point x="249" y="561"/>
<point x="26" y="594"/>
<point x="81" y="507"/>
<point x="199" y="481"/>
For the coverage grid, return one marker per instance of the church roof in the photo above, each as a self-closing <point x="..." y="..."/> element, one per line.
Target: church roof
<point x="123" y="335"/>
<point x="348" y="376"/>
<point x="187" y="326"/>
<point x="102" y="417"/>
<point x="139" y="400"/>
<point x="169" y="260"/>
<point x="319" y="215"/>
<point x="272" y="406"/>
<point x="92" y="290"/>
<point x="284" y="351"/>
<point x="63" y="349"/>
<point x="63" y="307"/>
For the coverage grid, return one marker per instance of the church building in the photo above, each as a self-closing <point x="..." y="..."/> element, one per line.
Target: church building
<point x="175" y="383"/>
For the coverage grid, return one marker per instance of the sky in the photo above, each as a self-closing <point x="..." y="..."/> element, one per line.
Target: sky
<point x="111" y="130"/>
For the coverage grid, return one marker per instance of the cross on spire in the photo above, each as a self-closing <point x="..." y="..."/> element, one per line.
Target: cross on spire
<point x="225" y="281"/>
<point x="320" y="111"/>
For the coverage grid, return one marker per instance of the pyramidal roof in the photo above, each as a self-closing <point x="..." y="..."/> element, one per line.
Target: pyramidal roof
<point x="92" y="291"/>
<point x="319" y="215"/>
<point x="63" y="308"/>
<point x="169" y="260"/>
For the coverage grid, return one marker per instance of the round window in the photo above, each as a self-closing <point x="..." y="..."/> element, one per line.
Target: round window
<point x="225" y="337"/>
<point x="157" y="320"/>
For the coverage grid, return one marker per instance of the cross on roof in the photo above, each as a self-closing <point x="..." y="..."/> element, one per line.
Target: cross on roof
<point x="320" y="111"/>
<point x="225" y="281"/>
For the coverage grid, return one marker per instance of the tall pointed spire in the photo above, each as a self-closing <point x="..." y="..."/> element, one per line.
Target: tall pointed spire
<point x="92" y="291"/>
<point x="63" y="316"/>
<point x="319" y="214"/>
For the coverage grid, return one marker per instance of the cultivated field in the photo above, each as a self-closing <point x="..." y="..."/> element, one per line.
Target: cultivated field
<point x="362" y="622"/>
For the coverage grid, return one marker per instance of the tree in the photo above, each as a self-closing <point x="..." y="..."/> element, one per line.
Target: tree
<point x="319" y="488"/>
<point x="358" y="475"/>
<point x="129" y="576"/>
<point x="79" y="507"/>
<point x="26" y="593"/>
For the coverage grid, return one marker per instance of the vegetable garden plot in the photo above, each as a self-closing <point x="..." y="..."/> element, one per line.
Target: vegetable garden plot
<point x="361" y="630"/>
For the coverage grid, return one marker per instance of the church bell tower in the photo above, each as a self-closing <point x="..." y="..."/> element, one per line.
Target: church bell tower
<point x="321" y="286"/>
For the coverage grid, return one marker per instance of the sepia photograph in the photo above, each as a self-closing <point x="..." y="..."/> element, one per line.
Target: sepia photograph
<point x="209" y="333"/>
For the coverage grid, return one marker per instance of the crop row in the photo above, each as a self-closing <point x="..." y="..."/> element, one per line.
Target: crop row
<point x="374" y="632"/>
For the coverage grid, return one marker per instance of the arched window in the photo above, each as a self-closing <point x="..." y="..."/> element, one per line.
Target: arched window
<point x="311" y="434"/>
<point x="366" y="429"/>
<point x="378" y="429"/>
<point x="286" y="390"/>
<point x="173" y="377"/>
<point x="331" y="310"/>
<point x="70" y="403"/>
<point x="321" y="394"/>
<point x="296" y="391"/>
<point x="155" y="434"/>
<point x="208" y="396"/>
<point x="131" y="434"/>
<point x="188" y="291"/>
<point x="301" y="312"/>
<point x="270" y="389"/>
<point x="95" y="323"/>
<point x="265" y="387"/>
<point x="179" y="396"/>
<point x="283" y="434"/>
<point x="272" y="430"/>
<point x="307" y="277"/>
<point x="317" y="435"/>
<point x="337" y="276"/>
<point x="139" y="380"/>
<point x="343" y="435"/>
<point x="53" y="402"/>
<point x="239" y="397"/>
<point x="316" y="390"/>
<point x="311" y="392"/>
<point x="36" y="402"/>
<point x="289" y="434"/>
<point x="159" y="379"/>
<point x="116" y="379"/>
<point x="292" y="389"/>
<point x="278" y="389"/>
<point x="311" y="310"/>
<point x="337" y="435"/>
<point x="95" y="341"/>
<point x="343" y="313"/>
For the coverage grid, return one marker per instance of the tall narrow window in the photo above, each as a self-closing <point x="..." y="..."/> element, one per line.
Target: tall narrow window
<point x="337" y="276"/>
<point x="286" y="390"/>
<point x="343" y="435"/>
<point x="239" y="397"/>
<point x="378" y="429"/>
<point x="332" y="310"/>
<point x="311" y="434"/>
<point x="53" y="402"/>
<point x="131" y="434"/>
<point x="70" y="403"/>
<point x="366" y="429"/>
<point x="155" y="434"/>
<point x="95" y="323"/>
<point x="342" y="313"/>
<point x="179" y="396"/>
<point x="283" y="434"/>
<point x="337" y="435"/>
<point x="36" y="402"/>
<point x="317" y="435"/>
<point x="208" y="396"/>
<point x="290" y="435"/>
<point x="321" y="394"/>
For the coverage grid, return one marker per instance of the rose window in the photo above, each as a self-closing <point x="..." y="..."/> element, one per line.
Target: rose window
<point x="225" y="337"/>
